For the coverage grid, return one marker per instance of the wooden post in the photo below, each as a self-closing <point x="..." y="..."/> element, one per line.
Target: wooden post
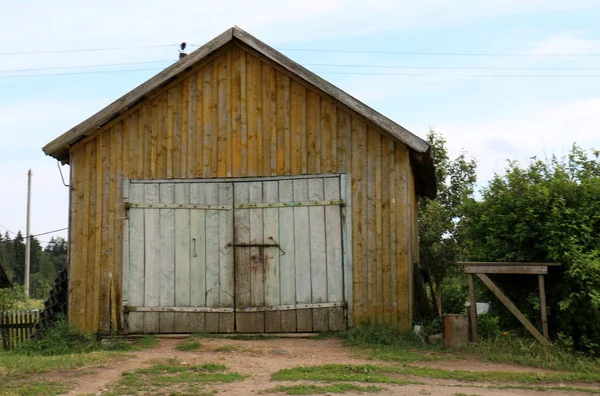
<point x="473" y="309"/>
<point x="28" y="237"/>
<point x="543" y="305"/>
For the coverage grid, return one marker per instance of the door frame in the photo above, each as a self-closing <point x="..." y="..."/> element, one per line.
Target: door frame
<point x="346" y="217"/>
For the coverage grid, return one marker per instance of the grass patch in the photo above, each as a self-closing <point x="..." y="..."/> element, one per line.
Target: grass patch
<point x="386" y="343"/>
<point x="188" y="345"/>
<point x="379" y="374"/>
<point x="50" y="388"/>
<point x="227" y="348"/>
<point x="528" y="352"/>
<point x="590" y="391"/>
<point x="338" y="372"/>
<point x="174" y="377"/>
<point x="322" y="390"/>
<point x="14" y="365"/>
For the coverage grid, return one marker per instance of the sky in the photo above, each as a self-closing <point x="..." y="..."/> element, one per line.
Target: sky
<point x="499" y="79"/>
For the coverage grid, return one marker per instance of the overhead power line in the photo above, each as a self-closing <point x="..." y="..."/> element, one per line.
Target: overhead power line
<point x="11" y="232"/>
<point x="77" y="73"/>
<point x="438" y="53"/>
<point x="340" y="65"/>
<point x="87" y="50"/>
<point x="50" y="232"/>
<point x="84" y="66"/>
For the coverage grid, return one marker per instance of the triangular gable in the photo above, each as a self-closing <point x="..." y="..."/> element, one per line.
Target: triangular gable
<point x="420" y="155"/>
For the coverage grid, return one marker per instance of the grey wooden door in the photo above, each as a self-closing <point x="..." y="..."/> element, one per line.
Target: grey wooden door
<point x="288" y="255"/>
<point x="246" y="256"/>
<point x="178" y="276"/>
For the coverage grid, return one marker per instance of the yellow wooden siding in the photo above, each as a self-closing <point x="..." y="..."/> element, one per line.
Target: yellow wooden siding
<point x="239" y="115"/>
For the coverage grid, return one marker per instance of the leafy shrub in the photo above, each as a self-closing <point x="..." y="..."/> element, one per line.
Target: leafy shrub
<point x="488" y="326"/>
<point x="11" y="298"/>
<point x="455" y="292"/>
<point x="374" y="335"/>
<point x="548" y="211"/>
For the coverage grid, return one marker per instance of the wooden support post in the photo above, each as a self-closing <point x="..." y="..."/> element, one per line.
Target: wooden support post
<point x="543" y="305"/>
<point x="512" y="308"/>
<point x="473" y="309"/>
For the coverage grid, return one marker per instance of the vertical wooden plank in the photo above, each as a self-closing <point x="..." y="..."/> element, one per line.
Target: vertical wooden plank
<point x="209" y="132"/>
<point x="168" y="132"/>
<point x="167" y="258"/>
<point x="403" y="235"/>
<point x="186" y="144"/>
<point x="108" y="213"/>
<point x="98" y="230"/>
<point x="373" y="153"/>
<point x="143" y="150"/>
<point x="198" y="259"/>
<point x="392" y="231"/>
<point x="223" y="153"/>
<point x="283" y="125"/>
<point x="375" y="156"/>
<point x="302" y="258"/>
<point x="182" y="257"/>
<point x="347" y="244"/>
<point x="74" y="241"/>
<point x="542" y="290"/>
<point x="287" y="262"/>
<point x="298" y="128"/>
<point x="269" y="106"/>
<point x="257" y="259"/>
<point x="333" y="233"/>
<point x="126" y="246"/>
<point x="152" y="259"/>
<point x="164" y="164"/>
<point x="244" y="114"/>
<point x="176" y="132"/>
<point x="195" y="123"/>
<point x="313" y="126"/>
<point x="115" y="291"/>
<point x="318" y="254"/>
<point x="213" y="249"/>
<point x="254" y="115"/>
<point x="384" y="223"/>
<point x="328" y="121"/>
<point x="236" y="113"/>
<point x="226" y="265"/>
<point x="359" y="223"/>
<point x="344" y="141"/>
<point x="272" y="256"/>
<point x="473" y="308"/>
<point x="91" y="229"/>
<point x="241" y="195"/>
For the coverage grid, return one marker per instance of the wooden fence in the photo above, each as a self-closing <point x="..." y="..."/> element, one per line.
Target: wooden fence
<point x="17" y="326"/>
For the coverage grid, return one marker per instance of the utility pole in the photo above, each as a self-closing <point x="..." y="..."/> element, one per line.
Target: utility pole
<point x="28" y="238"/>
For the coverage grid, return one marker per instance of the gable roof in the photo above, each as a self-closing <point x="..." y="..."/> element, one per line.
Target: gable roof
<point x="59" y="147"/>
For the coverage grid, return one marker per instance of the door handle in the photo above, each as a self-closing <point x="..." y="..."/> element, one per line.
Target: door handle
<point x="194" y="254"/>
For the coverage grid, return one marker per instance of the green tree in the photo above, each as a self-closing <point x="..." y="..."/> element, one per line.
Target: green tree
<point x="441" y="235"/>
<point x="547" y="211"/>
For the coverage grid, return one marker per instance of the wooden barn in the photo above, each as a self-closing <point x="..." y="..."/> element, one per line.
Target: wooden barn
<point x="236" y="191"/>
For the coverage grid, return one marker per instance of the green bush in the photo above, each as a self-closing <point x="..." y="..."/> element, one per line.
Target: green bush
<point x="548" y="211"/>
<point x="488" y="326"/>
<point x="11" y="298"/>
<point x="455" y="292"/>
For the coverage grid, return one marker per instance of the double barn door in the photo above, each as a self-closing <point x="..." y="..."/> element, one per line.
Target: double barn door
<point x="245" y="256"/>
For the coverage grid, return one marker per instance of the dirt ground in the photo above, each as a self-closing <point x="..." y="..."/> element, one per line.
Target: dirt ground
<point x="258" y="359"/>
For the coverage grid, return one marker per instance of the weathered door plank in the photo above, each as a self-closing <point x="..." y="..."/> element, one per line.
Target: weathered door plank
<point x="242" y="257"/>
<point x="333" y="232"/>
<point x="198" y="259"/>
<point x="272" y="256"/>
<point x="302" y="258"/>
<point x="152" y="259"/>
<point x="287" y="262"/>
<point x="226" y="270"/>
<point x="167" y="255"/>
<point x="182" y="258"/>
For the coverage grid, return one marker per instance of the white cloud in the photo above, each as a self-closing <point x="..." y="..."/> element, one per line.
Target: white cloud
<point x="549" y="129"/>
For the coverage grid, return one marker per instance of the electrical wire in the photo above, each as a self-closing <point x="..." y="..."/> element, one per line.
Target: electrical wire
<point x="49" y="232"/>
<point x="437" y="53"/>
<point x="79" y="73"/>
<point x="11" y="232"/>
<point x="341" y="65"/>
<point x="83" y="66"/>
<point x="87" y="50"/>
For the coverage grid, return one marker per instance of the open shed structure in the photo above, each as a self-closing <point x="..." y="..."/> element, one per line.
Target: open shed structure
<point x="236" y="191"/>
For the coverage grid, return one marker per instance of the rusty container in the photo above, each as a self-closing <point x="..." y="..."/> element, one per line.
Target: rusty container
<point x="456" y="330"/>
